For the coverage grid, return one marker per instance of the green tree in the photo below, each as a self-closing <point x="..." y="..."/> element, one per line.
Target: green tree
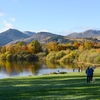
<point x="87" y="45"/>
<point x="36" y="46"/>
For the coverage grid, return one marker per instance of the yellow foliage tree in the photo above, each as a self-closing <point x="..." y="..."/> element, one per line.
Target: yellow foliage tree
<point x="52" y="46"/>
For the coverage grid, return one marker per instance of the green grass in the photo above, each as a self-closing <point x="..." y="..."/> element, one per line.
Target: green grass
<point x="71" y="86"/>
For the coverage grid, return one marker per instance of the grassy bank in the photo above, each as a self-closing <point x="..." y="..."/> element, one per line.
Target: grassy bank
<point x="71" y="86"/>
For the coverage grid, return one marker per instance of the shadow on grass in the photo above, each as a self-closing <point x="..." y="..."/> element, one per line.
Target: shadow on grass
<point x="49" y="87"/>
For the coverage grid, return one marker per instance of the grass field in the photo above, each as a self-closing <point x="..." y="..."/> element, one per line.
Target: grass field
<point x="70" y="86"/>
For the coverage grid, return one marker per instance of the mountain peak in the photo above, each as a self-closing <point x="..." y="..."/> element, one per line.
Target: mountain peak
<point x="11" y="35"/>
<point x="12" y="30"/>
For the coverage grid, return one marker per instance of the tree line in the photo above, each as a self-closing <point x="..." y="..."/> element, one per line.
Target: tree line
<point x="84" y="51"/>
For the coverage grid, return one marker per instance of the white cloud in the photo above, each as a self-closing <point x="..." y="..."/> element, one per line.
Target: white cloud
<point x="42" y="31"/>
<point x="65" y="32"/>
<point x="12" y="19"/>
<point x="1" y="14"/>
<point x="7" y="25"/>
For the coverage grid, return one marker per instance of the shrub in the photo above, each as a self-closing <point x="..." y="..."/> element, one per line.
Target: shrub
<point x="8" y="52"/>
<point x="83" y="56"/>
<point x="41" y="55"/>
<point x="60" y="54"/>
<point x="91" y="56"/>
<point x="51" y="56"/>
<point x="67" y="59"/>
<point x="30" y="57"/>
<point x="97" y="59"/>
<point x="9" y="57"/>
<point x="2" y="57"/>
<point x="14" y="56"/>
<point x="20" y="57"/>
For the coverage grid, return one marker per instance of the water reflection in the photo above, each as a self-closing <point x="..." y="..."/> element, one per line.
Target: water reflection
<point x="19" y="68"/>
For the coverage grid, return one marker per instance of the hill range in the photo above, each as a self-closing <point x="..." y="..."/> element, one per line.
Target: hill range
<point x="14" y="35"/>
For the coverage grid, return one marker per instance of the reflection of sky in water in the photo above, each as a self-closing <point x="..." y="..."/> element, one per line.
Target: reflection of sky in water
<point x="3" y="74"/>
<point x="43" y="70"/>
<point x="7" y="72"/>
<point x="25" y="73"/>
<point x="48" y="71"/>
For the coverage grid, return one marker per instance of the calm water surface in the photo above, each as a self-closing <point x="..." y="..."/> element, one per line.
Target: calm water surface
<point x="19" y="68"/>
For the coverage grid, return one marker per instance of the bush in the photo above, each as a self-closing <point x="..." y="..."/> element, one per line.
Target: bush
<point x="14" y="56"/>
<point x="91" y="56"/>
<point x="9" y="57"/>
<point x="51" y="56"/>
<point x="83" y="56"/>
<point x="30" y="57"/>
<point x="20" y="57"/>
<point x="2" y="57"/>
<point x="8" y="52"/>
<point x="67" y="59"/>
<point x="60" y="54"/>
<point x="97" y="60"/>
<point x="41" y="55"/>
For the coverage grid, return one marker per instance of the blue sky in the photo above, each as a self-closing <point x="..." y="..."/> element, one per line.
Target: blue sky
<point x="56" y="16"/>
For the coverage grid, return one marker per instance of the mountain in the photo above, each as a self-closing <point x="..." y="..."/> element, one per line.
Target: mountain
<point x="29" y="33"/>
<point x="14" y="35"/>
<point x="40" y="36"/>
<point x="85" y="34"/>
<point x="44" y="37"/>
<point x="11" y="35"/>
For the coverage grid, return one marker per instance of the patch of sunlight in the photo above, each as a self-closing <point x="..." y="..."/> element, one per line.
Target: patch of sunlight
<point x="75" y="97"/>
<point x="21" y="85"/>
<point x="63" y="97"/>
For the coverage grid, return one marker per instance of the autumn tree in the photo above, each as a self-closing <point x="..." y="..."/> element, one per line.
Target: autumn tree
<point x="19" y="46"/>
<point x="61" y="47"/>
<point x="24" y="48"/>
<point x="11" y="48"/>
<point x="76" y="44"/>
<point x="3" y="49"/>
<point x="35" y="46"/>
<point x="87" y="45"/>
<point x="52" y="46"/>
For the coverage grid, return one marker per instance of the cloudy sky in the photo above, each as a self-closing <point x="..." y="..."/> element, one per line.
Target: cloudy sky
<point x="56" y="16"/>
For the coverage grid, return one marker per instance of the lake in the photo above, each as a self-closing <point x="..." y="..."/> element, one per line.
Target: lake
<point x="24" y="68"/>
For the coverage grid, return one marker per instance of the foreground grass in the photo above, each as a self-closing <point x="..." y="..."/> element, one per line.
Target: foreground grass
<point x="71" y="86"/>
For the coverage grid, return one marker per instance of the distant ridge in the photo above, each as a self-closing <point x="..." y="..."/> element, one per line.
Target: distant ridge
<point x="86" y="34"/>
<point x="29" y="33"/>
<point x="44" y="37"/>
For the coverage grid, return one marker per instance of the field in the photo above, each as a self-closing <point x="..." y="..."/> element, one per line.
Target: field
<point x="70" y="86"/>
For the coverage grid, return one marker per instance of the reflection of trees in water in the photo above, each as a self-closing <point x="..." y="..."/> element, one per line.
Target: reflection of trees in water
<point x="17" y="67"/>
<point x="53" y="65"/>
<point x="36" y="66"/>
<point x="2" y="63"/>
<point x="50" y="65"/>
<point x="69" y="65"/>
<point x="8" y="67"/>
